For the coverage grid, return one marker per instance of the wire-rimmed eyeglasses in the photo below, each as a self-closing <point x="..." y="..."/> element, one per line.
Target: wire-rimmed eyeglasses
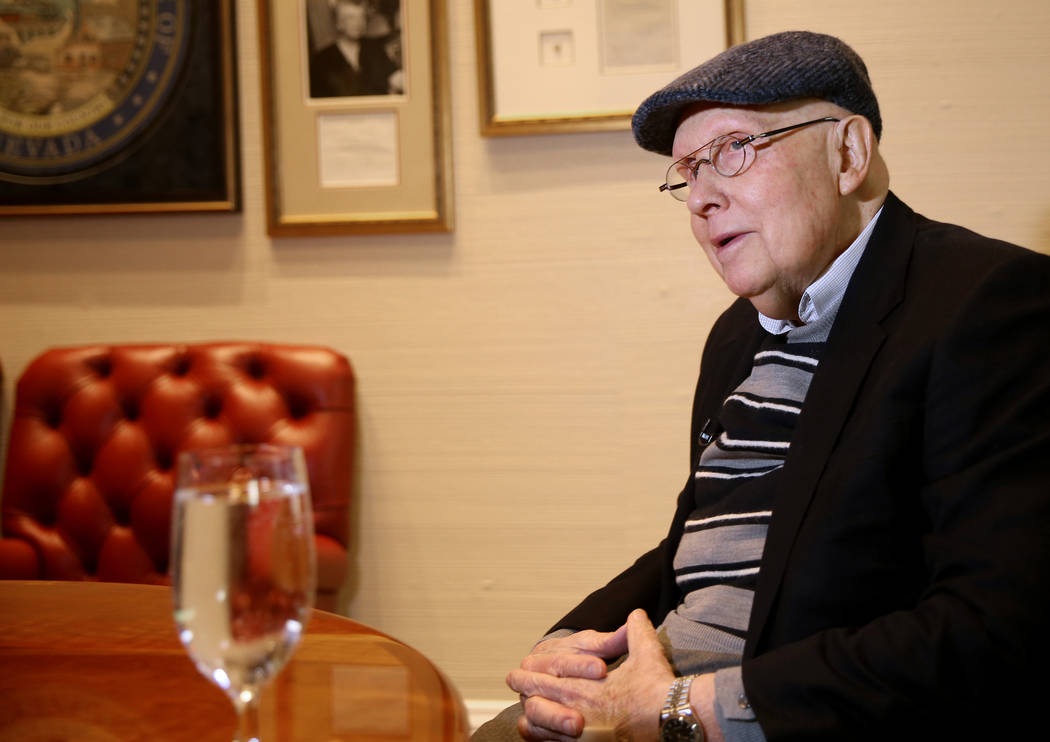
<point x="728" y="155"/>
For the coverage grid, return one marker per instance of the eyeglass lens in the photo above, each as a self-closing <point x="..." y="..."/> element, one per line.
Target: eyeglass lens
<point x="723" y="154"/>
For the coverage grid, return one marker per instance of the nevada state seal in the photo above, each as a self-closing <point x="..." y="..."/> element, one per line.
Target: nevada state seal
<point x="81" y="81"/>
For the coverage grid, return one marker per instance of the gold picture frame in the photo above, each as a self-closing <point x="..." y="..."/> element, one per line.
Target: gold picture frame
<point x="105" y="110"/>
<point x="356" y="149"/>
<point x="557" y="66"/>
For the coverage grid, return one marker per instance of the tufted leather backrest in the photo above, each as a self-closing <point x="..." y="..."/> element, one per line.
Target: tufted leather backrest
<point x="89" y="476"/>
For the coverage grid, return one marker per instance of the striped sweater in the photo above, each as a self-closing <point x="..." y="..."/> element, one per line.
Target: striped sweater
<point x="719" y="556"/>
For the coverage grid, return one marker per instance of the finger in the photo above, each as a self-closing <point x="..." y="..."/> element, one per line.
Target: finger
<point x="642" y="642"/>
<point x="544" y="717"/>
<point x="588" y="642"/>
<point x="615" y="644"/>
<point x="566" y="665"/>
<point x="538" y="734"/>
<point x="528" y="683"/>
<point x="568" y="691"/>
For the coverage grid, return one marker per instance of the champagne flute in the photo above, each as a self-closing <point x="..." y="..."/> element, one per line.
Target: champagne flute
<point x="243" y="566"/>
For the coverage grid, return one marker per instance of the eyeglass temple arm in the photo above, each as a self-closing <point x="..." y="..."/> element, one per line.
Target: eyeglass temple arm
<point x="766" y="134"/>
<point x="669" y="188"/>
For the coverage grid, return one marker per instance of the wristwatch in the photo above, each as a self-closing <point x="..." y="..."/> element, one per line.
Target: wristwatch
<point x="677" y="721"/>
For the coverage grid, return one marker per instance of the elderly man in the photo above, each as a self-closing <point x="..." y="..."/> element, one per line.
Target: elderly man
<point x="862" y="548"/>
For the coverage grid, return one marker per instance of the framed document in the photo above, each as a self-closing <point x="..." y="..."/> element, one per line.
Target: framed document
<point x="553" y="66"/>
<point x="117" y="106"/>
<point x="356" y="118"/>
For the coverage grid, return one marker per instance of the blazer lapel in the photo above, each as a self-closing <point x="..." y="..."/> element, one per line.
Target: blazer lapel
<point x="741" y="344"/>
<point x="876" y="287"/>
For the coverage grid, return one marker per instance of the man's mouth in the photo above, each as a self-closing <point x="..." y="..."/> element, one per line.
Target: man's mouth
<point x="727" y="238"/>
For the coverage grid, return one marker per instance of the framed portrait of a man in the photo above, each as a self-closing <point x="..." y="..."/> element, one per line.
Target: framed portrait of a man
<point x="356" y="119"/>
<point x="354" y="48"/>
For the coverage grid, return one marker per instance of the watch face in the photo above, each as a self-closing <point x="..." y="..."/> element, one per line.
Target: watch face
<point x="678" y="729"/>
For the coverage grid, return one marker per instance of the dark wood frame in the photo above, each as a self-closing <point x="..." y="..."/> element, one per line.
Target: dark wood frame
<point x="143" y="178"/>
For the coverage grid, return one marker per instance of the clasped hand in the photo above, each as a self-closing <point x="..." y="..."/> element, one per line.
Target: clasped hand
<point x="565" y="684"/>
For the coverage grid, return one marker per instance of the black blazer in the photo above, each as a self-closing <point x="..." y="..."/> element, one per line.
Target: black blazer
<point x="906" y="570"/>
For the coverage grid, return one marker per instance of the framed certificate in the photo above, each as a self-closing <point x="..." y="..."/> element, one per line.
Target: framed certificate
<point x="356" y="119"/>
<point x="554" y="66"/>
<point x="117" y="106"/>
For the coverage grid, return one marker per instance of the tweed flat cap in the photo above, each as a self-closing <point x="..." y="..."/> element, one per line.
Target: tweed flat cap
<point x="781" y="67"/>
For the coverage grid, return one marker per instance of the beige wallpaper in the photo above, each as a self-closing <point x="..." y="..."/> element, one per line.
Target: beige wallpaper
<point x="524" y="383"/>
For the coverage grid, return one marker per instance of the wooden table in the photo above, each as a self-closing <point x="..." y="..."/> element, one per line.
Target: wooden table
<point x="100" y="662"/>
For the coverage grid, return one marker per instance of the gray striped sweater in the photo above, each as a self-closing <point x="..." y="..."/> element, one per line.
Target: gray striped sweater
<point x="719" y="556"/>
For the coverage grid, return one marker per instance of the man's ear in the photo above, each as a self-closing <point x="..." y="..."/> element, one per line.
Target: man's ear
<point x="857" y="149"/>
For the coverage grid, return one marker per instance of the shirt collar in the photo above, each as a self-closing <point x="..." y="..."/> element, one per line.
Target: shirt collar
<point x="821" y="300"/>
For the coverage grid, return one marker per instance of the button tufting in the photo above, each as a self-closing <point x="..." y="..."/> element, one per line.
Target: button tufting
<point x="164" y="459"/>
<point x="256" y="367"/>
<point x="212" y="407"/>
<point x="95" y="470"/>
<point x="103" y="366"/>
<point x="52" y="414"/>
<point x="131" y="409"/>
<point x="121" y="514"/>
<point x="298" y="408"/>
<point x="85" y="462"/>
<point x="182" y="365"/>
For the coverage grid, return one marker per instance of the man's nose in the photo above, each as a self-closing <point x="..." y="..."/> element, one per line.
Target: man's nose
<point x="707" y="193"/>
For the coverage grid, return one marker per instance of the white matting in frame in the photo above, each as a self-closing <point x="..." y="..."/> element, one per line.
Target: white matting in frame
<point x="638" y="36"/>
<point x="357" y="149"/>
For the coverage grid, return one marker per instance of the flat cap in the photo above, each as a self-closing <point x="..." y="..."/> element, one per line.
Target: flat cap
<point x="781" y="67"/>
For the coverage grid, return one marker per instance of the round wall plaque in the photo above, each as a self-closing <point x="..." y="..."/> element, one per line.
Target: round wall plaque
<point x="82" y="80"/>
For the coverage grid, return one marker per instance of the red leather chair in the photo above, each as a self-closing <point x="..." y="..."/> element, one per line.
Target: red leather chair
<point x="90" y="461"/>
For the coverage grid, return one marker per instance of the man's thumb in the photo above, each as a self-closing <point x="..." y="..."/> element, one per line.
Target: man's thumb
<point x="641" y="636"/>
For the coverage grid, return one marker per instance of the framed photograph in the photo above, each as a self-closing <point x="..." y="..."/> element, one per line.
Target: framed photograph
<point x="356" y="117"/>
<point x="554" y="66"/>
<point x="117" y="106"/>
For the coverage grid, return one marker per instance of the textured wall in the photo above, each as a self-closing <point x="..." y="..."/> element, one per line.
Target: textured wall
<point x="524" y="382"/>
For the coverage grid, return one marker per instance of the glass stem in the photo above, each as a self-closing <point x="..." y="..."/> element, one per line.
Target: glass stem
<point x="247" y="705"/>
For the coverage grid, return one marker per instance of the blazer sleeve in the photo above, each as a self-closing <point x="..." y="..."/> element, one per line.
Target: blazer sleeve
<point x="969" y="655"/>
<point x="607" y="608"/>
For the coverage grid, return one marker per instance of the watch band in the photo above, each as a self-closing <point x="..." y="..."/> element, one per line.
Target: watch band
<point x="677" y="721"/>
<point x="677" y="702"/>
